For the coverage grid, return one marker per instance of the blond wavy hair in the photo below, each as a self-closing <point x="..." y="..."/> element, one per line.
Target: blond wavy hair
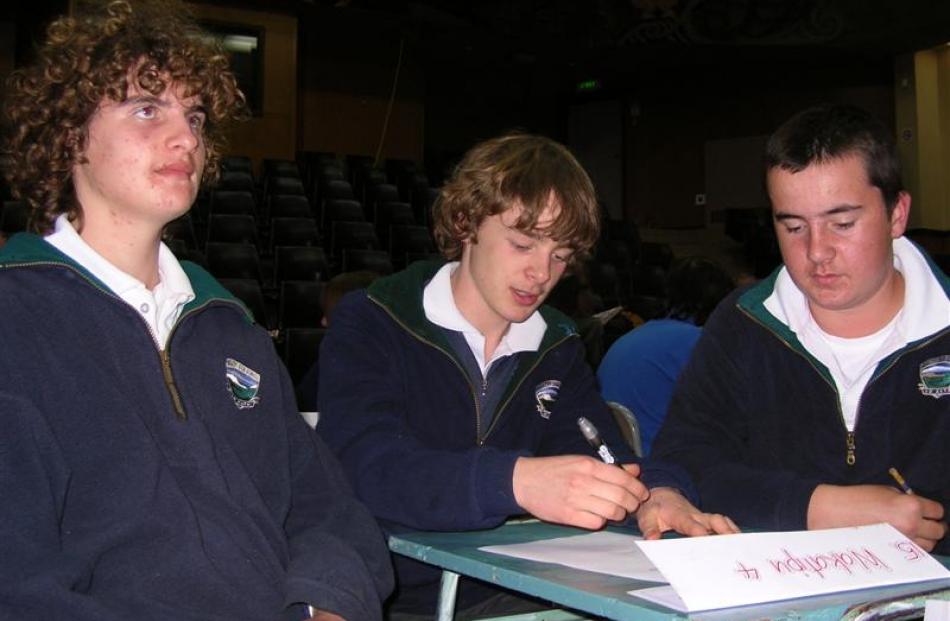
<point x="531" y="171"/>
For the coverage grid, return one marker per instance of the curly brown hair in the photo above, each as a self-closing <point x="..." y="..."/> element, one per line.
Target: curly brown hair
<point x="529" y="170"/>
<point x="94" y="55"/>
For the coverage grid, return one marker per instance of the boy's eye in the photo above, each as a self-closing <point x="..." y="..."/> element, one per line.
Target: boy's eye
<point x="844" y="225"/>
<point x="522" y="247"/>
<point x="146" y="112"/>
<point x="197" y="121"/>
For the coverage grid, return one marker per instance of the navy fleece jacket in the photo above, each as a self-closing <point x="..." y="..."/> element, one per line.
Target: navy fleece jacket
<point x="756" y="419"/>
<point x="400" y="412"/>
<point x="140" y="485"/>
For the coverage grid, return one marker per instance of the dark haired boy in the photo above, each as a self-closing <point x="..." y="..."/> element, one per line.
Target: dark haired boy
<point x="805" y="389"/>
<point x="152" y="462"/>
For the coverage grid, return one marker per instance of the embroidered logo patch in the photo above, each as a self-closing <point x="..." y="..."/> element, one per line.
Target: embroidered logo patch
<point x="567" y="329"/>
<point x="935" y="377"/>
<point x="243" y="382"/>
<point x="545" y="394"/>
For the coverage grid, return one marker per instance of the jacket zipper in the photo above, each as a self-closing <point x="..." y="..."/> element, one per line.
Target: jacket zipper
<point x="163" y="355"/>
<point x="180" y="412"/>
<point x="850" y="444"/>
<point x="166" y="361"/>
<point x="479" y="439"/>
<point x="524" y="376"/>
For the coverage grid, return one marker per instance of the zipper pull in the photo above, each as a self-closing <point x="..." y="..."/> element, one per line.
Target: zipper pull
<point x="850" y="459"/>
<point x="170" y="385"/>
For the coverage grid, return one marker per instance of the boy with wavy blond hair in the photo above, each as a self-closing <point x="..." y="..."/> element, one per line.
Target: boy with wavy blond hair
<point x="451" y="395"/>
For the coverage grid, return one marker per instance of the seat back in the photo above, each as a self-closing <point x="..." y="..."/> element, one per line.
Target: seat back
<point x="300" y="263"/>
<point x="248" y="290"/>
<point x="227" y="260"/>
<point x="232" y="228"/>
<point x="300" y="304"/>
<point x="300" y="349"/>
<point x="378" y="261"/>
<point x="294" y="232"/>
<point x="349" y="235"/>
<point x="629" y="427"/>
<point x="236" y="202"/>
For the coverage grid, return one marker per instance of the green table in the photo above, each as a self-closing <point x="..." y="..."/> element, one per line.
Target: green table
<point x="601" y="595"/>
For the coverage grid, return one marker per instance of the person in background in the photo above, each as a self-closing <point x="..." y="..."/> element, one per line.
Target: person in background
<point x="152" y="461"/>
<point x="641" y="367"/>
<point x="806" y="389"/>
<point x="451" y="395"/>
<point x="335" y="289"/>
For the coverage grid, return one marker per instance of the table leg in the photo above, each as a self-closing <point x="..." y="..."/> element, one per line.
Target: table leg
<point x="450" y="583"/>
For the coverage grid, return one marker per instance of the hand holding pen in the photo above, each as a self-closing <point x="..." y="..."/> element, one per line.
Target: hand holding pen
<point x="920" y="518"/>
<point x="576" y="490"/>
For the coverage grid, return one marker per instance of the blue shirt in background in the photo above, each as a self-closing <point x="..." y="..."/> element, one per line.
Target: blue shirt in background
<point x="641" y="368"/>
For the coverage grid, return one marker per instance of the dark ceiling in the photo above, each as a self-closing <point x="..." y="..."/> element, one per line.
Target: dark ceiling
<point x="615" y="37"/>
<point x="585" y="30"/>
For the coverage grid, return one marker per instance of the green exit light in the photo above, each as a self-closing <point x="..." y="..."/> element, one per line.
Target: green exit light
<point x="588" y="85"/>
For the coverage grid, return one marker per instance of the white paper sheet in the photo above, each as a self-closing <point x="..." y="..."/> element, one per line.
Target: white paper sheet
<point x="603" y="552"/>
<point x="709" y="573"/>
<point x="936" y="610"/>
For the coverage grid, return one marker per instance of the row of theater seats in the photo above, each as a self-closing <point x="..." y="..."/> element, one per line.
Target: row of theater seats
<point x="395" y="199"/>
<point x="273" y="243"/>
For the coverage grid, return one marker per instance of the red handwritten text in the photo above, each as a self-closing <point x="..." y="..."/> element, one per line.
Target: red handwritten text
<point x="749" y="573"/>
<point x="818" y="564"/>
<point x="910" y="549"/>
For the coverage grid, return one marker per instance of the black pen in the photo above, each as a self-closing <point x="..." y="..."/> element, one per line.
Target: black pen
<point x="596" y="442"/>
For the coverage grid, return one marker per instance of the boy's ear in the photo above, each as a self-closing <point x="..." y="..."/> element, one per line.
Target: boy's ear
<point x="900" y="214"/>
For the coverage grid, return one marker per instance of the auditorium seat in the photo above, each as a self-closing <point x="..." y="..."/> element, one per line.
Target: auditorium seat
<point x="228" y="260"/>
<point x="237" y="180"/>
<point x="300" y="263"/>
<point x="372" y="260"/>
<point x="388" y="214"/>
<point x="232" y="228"/>
<point x="376" y="195"/>
<point x="300" y="304"/>
<point x="237" y="163"/>
<point x="239" y="202"/>
<point x="248" y="290"/>
<point x="289" y="206"/>
<point x="300" y="349"/>
<point x="352" y="235"/>
<point x="294" y="232"/>
<point x="182" y="229"/>
<point x="409" y="242"/>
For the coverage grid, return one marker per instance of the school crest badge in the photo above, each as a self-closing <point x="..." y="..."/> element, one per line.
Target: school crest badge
<point x="935" y="377"/>
<point x="243" y="382"/>
<point x="545" y="394"/>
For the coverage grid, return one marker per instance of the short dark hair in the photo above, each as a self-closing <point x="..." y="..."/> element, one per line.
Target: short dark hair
<point x="495" y="174"/>
<point x="695" y="285"/>
<point x="91" y="56"/>
<point x="831" y="131"/>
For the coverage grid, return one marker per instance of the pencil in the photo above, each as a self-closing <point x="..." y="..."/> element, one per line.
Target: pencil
<point x="900" y="480"/>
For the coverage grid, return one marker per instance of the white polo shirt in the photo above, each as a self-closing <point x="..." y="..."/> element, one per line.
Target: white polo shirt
<point x="851" y="362"/>
<point x="159" y="308"/>
<point x="439" y="306"/>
